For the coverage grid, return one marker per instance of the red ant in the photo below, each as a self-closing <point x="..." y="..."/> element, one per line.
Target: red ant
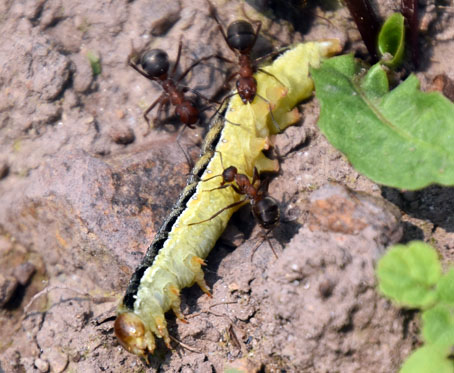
<point x="264" y="208"/>
<point x="241" y="38"/>
<point x="154" y="65"/>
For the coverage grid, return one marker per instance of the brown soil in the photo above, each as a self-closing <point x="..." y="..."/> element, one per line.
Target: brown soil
<point x="84" y="187"/>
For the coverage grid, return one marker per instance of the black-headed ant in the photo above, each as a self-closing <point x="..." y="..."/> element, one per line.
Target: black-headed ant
<point x="264" y="208"/>
<point x="154" y="65"/>
<point x="241" y="38"/>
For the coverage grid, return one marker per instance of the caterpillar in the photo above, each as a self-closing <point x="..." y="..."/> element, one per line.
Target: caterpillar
<point x="175" y="258"/>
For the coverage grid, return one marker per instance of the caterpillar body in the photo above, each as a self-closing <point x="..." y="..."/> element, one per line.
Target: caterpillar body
<point x="174" y="259"/>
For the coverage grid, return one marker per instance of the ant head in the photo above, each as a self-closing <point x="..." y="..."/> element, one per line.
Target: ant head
<point x="266" y="211"/>
<point x="155" y="62"/>
<point x="228" y="175"/>
<point x="241" y="36"/>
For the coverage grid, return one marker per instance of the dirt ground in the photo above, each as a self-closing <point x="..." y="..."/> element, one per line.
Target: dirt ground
<point x="84" y="186"/>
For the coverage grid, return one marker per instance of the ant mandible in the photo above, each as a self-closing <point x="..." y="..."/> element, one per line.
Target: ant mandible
<point x="264" y="208"/>
<point x="241" y="38"/>
<point x="154" y="65"/>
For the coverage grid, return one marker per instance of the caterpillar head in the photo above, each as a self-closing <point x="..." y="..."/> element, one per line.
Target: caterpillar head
<point x="133" y="335"/>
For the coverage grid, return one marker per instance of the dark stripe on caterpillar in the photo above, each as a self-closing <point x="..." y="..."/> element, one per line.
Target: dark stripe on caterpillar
<point x="199" y="168"/>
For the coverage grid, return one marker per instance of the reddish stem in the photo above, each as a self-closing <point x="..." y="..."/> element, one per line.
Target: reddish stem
<point x="367" y="23"/>
<point x="410" y="12"/>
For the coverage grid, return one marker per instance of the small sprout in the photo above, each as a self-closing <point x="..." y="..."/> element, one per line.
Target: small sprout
<point x="95" y="62"/>
<point x="391" y="40"/>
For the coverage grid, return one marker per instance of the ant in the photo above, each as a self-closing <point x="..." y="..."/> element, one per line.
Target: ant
<point x="241" y="38"/>
<point x="264" y="208"/>
<point x="154" y="65"/>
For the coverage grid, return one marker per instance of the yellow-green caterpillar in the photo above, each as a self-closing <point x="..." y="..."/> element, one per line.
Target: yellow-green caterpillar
<point x="173" y="261"/>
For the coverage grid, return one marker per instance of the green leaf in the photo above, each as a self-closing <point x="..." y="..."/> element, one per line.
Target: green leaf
<point x="401" y="138"/>
<point x="391" y="40"/>
<point x="375" y="83"/>
<point x="438" y="325"/>
<point x="429" y="359"/>
<point x="408" y="273"/>
<point x="445" y="287"/>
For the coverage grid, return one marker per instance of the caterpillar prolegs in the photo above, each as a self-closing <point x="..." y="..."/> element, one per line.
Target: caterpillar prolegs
<point x="175" y="258"/>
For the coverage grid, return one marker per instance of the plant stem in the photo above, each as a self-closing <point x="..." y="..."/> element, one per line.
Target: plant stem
<point x="367" y="23"/>
<point x="410" y="12"/>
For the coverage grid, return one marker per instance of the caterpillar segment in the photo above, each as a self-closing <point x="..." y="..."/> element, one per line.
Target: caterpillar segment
<point x="175" y="258"/>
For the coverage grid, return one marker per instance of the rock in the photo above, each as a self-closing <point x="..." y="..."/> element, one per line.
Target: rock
<point x="50" y="70"/>
<point x="337" y="209"/>
<point x="58" y="360"/>
<point x="81" y="198"/>
<point x="24" y="272"/>
<point x="122" y="135"/>
<point x="157" y="17"/>
<point x="42" y="365"/>
<point x="83" y="76"/>
<point x="334" y="297"/>
<point x="8" y="285"/>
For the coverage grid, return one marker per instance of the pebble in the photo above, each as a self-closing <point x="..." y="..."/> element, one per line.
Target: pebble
<point x="24" y="272"/>
<point x="42" y="365"/>
<point x="122" y="135"/>
<point x="8" y="285"/>
<point x="4" y="169"/>
<point x="57" y="360"/>
<point x="83" y="76"/>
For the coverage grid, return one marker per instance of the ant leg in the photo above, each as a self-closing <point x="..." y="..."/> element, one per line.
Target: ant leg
<point x="222" y="58"/>
<point x="265" y="238"/>
<point x="255" y="176"/>
<point x="194" y="64"/>
<point x="273" y="76"/>
<point x="212" y="177"/>
<point x="213" y="13"/>
<point x="209" y="107"/>
<point x="177" y="61"/>
<point x="151" y="107"/>
<point x="276" y="124"/>
<point x="263" y="187"/>
<point x="272" y="54"/>
<point x="222" y="165"/>
<point x="186" y="155"/>
<point x="225" y="85"/>
<point x="187" y="89"/>
<point x="259" y="26"/>
<point x="164" y="102"/>
<point x="232" y="205"/>
<point x="220" y="156"/>
<point x="269" y="243"/>
<point x="219" y="187"/>
<point x="135" y="67"/>
<point x="234" y="187"/>
<point x="133" y="55"/>
<point x="221" y="105"/>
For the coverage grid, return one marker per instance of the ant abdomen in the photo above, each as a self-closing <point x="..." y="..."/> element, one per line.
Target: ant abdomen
<point x="241" y="36"/>
<point x="187" y="113"/>
<point x="266" y="211"/>
<point x="155" y="62"/>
